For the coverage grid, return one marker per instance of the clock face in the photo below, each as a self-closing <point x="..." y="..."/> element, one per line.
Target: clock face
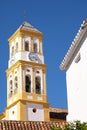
<point x="33" y="56"/>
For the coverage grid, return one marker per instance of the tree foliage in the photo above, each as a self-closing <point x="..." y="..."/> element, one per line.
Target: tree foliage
<point x="76" y="125"/>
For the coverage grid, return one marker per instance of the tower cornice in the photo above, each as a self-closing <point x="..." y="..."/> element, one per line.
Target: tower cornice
<point x="24" y="63"/>
<point x="46" y="104"/>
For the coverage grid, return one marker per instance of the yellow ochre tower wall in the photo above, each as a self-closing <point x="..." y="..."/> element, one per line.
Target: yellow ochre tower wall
<point x="26" y="76"/>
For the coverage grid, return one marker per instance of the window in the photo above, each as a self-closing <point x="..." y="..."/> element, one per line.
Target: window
<point x="38" y="72"/>
<point x="26" y="46"/>
<point x="13" y="112"/>
<point x="28" y="70"/>
<point x="12" y="50"/>
<point x="38" y="85"/>
<point x="34" y="110"/>
<point x="28" y="83"/>
<point x="35" y="47"/>
<point x="16" y="47"/>
<point x="10" y="88"/>
<point x="15" y="84"/>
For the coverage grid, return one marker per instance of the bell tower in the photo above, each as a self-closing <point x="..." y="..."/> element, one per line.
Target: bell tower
<point x="26" y="76"/>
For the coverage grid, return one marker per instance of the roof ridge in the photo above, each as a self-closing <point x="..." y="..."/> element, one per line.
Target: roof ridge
<point x="27" y="26"/>
<point x="25" y="22"/>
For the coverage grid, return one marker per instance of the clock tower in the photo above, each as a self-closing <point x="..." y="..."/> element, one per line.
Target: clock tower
<point x="26" y="76"/>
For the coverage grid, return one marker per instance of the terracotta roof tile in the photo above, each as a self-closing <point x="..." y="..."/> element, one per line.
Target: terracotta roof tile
<point x="28" y="125"/>
<point x="58" y="110"/>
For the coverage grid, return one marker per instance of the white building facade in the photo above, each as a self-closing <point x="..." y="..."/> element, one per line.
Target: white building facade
<point x="75" y="65"/>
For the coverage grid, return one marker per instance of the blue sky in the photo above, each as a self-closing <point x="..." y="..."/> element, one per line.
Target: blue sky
<point x="59" y="20"/>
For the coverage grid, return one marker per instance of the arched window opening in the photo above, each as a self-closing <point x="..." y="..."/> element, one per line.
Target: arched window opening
<point x="16" y="47"/>
<point x="13" y="51"/>
<point x="15" y="84"/>
<point x="35" y="47"/>
<point x="10" y="88"/>
<point x="26" y="46"/>
<point x="28" y="83"/>
<point x="38" y="85"/>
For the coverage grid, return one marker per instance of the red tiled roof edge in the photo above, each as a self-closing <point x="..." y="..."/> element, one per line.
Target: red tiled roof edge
<point x="29" y="125"/>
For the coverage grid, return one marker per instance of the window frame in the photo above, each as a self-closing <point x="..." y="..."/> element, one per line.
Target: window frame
<point x="12" y="53"/>
<point x="38" y="85"/>
<point x="28" y="83"/>
<point x="26" y="45"/>
<point x="15" y="84"/>
<point x="16" y="49"/>
<point x="35" y="47"/>
<point x="10" y="88"/>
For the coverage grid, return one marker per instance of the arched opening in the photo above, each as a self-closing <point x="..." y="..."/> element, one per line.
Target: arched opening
<point x="35" y="47"/>
<point x="15" y="84"/>
<point x="13" y="51"/>
<point x="28" y="83"/>
<point x="38" y="84"/>
<point x="16" y="50"/>
<point x="10" y="89"/>
<point x="26" y="46"/>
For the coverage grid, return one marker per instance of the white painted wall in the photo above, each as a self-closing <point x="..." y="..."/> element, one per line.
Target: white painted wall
<point x="76" y="77"/>
<point x="38" y="116"/>
<point x="23" y="56"/>
<point x="13" y="116"/>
